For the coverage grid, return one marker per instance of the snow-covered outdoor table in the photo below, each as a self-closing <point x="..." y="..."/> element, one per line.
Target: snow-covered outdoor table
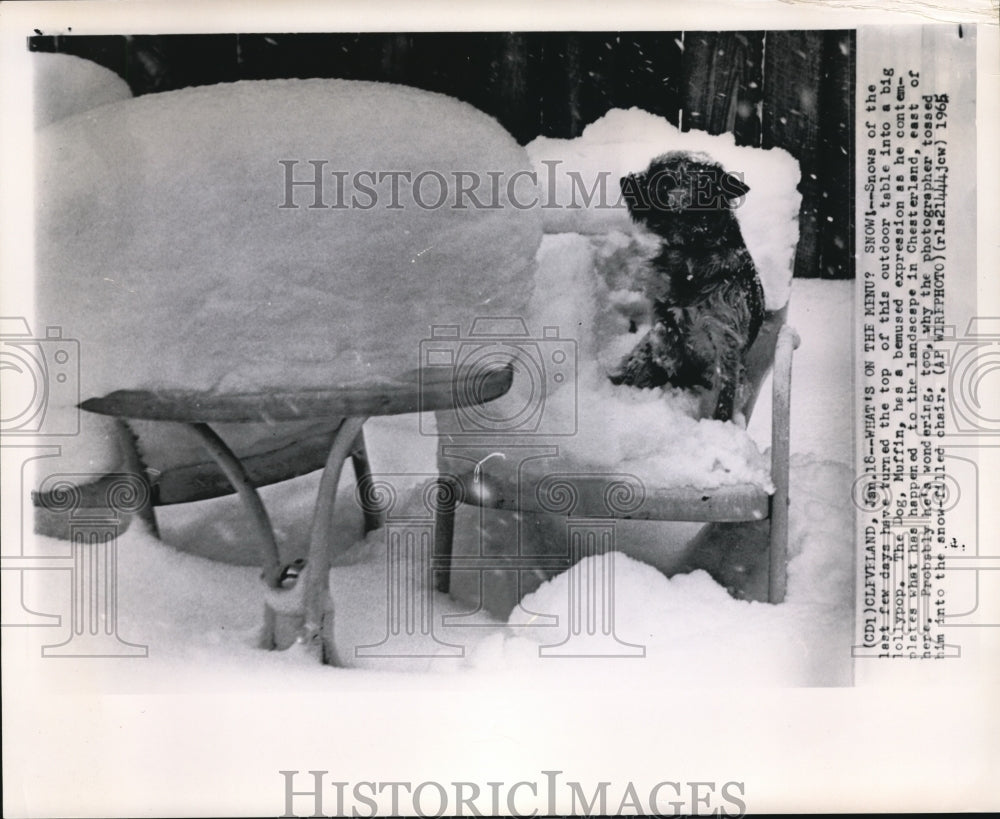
<point x="262" y="235"/>
<point x="306" y="605"/>
<point x="271" y="251"/>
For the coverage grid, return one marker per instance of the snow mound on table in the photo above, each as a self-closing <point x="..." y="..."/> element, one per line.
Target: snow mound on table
<point x="162" y="216"/>
<point x="164" y="248"/>
<point x="579" y="181"/>
<point x="66" y="85"/>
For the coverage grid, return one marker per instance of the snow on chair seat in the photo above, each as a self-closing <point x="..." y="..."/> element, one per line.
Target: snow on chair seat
<point x="482" y="474"/>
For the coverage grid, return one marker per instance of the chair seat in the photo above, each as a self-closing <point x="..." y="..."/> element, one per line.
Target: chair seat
<point x="611" y="495"/>
<point x="509" y="474"/>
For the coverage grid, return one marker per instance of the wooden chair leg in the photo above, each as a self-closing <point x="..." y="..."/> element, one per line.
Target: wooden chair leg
<point x="362" y="476"/>
<point x="444" y="531"/>
<point x="788" y="340"/>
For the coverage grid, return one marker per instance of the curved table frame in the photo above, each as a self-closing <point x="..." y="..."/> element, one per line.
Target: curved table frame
<point x="301" y="606"/>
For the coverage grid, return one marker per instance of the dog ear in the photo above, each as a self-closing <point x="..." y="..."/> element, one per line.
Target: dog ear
<point x="733" y="187"/>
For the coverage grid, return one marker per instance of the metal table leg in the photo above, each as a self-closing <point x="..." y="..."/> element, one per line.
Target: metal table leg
<point x="317" y="630"/>
<point x="134" y="464"/>
<point x="374" y="519"/>
<point x="272" y="571"/>
<point x="234" y="471"/>
<point x="309" y="610"/>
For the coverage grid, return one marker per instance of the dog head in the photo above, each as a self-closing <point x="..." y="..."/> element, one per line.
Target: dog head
<point x="686" y="198"/>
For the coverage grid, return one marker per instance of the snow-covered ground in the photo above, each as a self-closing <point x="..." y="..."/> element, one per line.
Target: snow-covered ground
<point x="201" y="617"/>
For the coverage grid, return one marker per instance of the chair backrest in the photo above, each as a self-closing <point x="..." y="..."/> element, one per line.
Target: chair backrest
<point x="760" y="357"/>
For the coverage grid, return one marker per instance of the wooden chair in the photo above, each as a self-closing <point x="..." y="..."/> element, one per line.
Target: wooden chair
<point x="499" y="483"/>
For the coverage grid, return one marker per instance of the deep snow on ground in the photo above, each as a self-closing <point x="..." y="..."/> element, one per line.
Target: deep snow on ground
<point x="200" y="618"/>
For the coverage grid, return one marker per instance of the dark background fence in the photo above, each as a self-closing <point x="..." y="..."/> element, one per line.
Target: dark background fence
<point x="786" y="89"/>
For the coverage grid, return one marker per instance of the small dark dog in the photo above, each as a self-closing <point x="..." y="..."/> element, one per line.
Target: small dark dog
<point x="708" y="303"/>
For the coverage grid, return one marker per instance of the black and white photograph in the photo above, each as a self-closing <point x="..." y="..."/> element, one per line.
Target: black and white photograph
<point x="496" y="419"/>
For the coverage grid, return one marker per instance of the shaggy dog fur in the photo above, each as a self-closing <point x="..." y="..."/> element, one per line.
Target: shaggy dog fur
<point x="708" y="303"/>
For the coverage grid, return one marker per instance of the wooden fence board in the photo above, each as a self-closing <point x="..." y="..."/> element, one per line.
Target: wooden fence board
<point x="723" y="75"/>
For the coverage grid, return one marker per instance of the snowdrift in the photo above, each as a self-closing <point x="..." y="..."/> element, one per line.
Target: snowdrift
<point x="65" y="85"/>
